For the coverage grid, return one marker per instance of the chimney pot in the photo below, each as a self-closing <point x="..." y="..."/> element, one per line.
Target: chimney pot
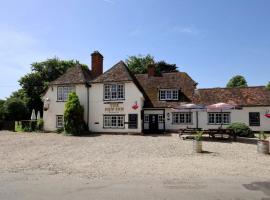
<point x="97" y="64"/>
<point x="151" y="69"/>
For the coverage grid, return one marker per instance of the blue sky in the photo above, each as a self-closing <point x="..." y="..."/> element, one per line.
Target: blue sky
<point x="212" y="40"/>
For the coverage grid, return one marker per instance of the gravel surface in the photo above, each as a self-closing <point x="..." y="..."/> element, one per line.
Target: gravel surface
<point x="129" y="156"/>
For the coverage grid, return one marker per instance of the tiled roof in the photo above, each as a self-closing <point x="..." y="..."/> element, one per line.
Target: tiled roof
<point x="74" y="75"/>
<point x="246" y="96"/>
<point x="174" y="80"/>
<point x="119" y="72"/>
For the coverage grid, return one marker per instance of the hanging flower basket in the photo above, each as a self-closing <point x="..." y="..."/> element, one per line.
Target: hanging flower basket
<point x="135" y="106"/>
<point x="267" y="115"/>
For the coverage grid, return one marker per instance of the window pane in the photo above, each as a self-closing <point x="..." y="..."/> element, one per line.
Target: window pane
<point x="168" y="94"/>
<point x="218" y="118"/>
<point x="226" y="118"/>
<point x="120" y="91"/>
<point x="160" y="118"/>
<point x="132" y="120"/>
<point x="254" y="119"/>
<point x="175" y="94"/>
<point x="113" y="91"/>
<point x="59" y="121"/>
<point x="146" y="118"/>
<point x="211" y="118"/>
<point x="162" y="95"/>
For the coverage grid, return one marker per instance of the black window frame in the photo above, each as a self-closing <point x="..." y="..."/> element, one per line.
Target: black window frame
<point x="258" y="123"/>
<point x="132" y="125"/>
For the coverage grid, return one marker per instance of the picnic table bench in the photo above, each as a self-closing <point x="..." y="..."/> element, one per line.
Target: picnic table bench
<point x="189" y="133"/>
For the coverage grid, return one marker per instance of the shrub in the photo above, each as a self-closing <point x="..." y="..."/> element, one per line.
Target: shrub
<point x="198" y="136"/>
<point x="40" y="124"/>
<point x="73" y="116"/>
<point x="241" y="129"/>
<point x="60" y="130"/>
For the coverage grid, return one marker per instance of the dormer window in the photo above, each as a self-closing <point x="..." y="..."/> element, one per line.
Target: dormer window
<point x="168" y="94"/>
<point x="114" y="92"/>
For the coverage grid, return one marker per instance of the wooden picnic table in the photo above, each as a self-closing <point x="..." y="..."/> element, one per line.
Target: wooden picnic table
<point x="190" y="132"/>
<point x="221" y="132"/>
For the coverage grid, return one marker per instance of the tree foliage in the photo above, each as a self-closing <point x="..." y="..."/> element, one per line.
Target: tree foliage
<point x="35" y="83"/>
<point x="2" y="109"/>
<point x="15" y="109"/>
<point x="268" y="85"/>
<point x="237" y="81"/>
<point x="73" y="116"/>
<point x="138" y="64"/>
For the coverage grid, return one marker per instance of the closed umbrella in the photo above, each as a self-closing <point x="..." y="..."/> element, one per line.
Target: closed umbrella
<point x="38" y="115"/>
<point x="33" y="115"/>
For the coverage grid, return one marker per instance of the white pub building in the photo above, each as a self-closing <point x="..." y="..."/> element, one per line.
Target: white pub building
<point x="118" y="102"/>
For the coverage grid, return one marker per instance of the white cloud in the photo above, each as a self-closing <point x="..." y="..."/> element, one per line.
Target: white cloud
<point x="189" y="30"/>
<point x="109" y="1"/>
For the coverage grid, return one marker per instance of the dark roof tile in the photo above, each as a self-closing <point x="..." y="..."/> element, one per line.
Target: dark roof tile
<point x="246" y="96"/>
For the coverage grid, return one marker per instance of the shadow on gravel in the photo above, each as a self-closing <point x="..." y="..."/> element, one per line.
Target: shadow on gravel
<point x="259" y="186"/>
<point x="157" y="135"/>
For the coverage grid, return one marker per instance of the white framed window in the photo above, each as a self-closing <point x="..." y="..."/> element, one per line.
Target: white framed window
<point x="63" y="92"/>
<point x="219" y="118"/>
<point x="114" y="92"/>
<point x="182" y="118"/>
<point x="113" y="121"/>
<point x="146" y="118"/>
<point x="168" y="94"/>
<point x="59" y="121"/>
<point x="160" y="118"/>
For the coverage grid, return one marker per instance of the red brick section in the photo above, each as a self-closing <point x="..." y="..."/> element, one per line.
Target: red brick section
<point x="151" y="69"/>
<point x="97" y="64"/>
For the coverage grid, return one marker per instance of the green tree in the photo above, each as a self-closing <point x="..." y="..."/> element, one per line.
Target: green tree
<point x="163" y="67"/>
<point x="73" y="116"/>
<point x="268" y="85"/>
<point x="237" y="81"/>
<point x="2" y="109"/>
<point x="35" y="83"/>
<point x="138" y="64"/>
<point x="15" y="110"/>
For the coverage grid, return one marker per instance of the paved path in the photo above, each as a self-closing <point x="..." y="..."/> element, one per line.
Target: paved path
<point x="55" y="187"/>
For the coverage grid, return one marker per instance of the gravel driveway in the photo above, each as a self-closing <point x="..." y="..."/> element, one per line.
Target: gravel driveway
<point x="128" y="157"/>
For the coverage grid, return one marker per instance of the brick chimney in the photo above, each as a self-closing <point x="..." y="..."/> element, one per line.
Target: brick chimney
<point x="151" y="70"/>
<point x="97" y="64"/>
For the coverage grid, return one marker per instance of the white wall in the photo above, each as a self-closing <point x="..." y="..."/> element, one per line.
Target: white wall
<point x="97" y="108"/>
<point x="236" y="116"/>
<point x="57" y="108"/>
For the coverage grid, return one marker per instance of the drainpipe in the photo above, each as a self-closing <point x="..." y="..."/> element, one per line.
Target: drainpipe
<point x="87" y="86"/>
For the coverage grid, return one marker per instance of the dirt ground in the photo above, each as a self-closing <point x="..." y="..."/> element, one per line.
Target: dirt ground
<point x="52" y="166"/>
